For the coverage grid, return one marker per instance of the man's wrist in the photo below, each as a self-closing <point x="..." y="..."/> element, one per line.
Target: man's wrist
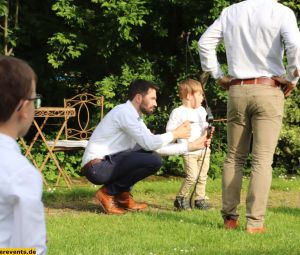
<point x="189" y="147"/>
<point x="293" y="78"/>
<point x="296" y="73"/>
<point x="174" y="134"/>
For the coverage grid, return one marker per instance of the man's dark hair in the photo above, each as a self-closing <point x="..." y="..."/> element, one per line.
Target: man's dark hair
<point x="16" y="78"/>
<point x="140" y="86"/>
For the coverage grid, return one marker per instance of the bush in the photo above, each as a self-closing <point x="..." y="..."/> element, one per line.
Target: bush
<point x="71" y="163"/>
<point x="216" y="164"/>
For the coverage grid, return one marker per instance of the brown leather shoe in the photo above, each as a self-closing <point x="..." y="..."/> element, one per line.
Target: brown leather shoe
<point x="231" y="224"/>
<point x="126" y="201"/>
<point x="255" y="230"/>
<point x="107" y="202"/>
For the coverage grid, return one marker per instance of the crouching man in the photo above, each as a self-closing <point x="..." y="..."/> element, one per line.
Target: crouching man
<point x="123" y="151"/>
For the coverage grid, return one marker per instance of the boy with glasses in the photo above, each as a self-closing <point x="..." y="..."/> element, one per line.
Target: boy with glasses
<point x="22" y="222"/>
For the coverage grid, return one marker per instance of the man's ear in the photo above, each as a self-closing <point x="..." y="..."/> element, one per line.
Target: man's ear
<point x="138" y="98"/>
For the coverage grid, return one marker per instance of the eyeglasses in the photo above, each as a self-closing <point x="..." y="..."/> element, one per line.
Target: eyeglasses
<point x="37" y="100"/>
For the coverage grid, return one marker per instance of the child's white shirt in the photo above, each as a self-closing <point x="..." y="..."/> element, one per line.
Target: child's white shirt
<point x="197" y="118"/>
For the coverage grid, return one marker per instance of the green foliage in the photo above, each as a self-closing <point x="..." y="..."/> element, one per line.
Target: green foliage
<point x="9" y="26"/>
<point x="287" y="155"/>
<point x="65" y="46"/>
<point x="218" y="6"/>
<point x="99" y="46"/>
<point x="295" y="5"/>
<point x="114" y="88"/>
<point x="158" y="120"/>
<point x="69" y="11"/>
<point x="172" y="165"/>
<point x="288" y="151"/>
<point x="216" y="164"/>
<point x="130" y="14"/>
<point x="71" y="163"/>
<point x="3" y="8"/>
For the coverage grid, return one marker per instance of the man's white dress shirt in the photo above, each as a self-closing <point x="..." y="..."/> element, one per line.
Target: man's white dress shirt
<point x="123" y="129"/>
<point x="255" y="33"/>
<point x="22" y="222"/>
<point x="197" y="118"/>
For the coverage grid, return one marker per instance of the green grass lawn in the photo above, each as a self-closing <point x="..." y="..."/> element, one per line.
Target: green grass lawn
<point x="75" y="225"/>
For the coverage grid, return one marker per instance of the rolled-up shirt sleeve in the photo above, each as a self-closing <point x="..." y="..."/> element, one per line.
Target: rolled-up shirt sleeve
<point x="207" y="49"/>
<point x="173" y="149"/>
<point x="291" y="38"/>
<point x="137" y="130"/>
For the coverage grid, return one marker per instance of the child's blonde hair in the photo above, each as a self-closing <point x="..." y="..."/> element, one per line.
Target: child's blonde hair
<point x="189" y="86"/>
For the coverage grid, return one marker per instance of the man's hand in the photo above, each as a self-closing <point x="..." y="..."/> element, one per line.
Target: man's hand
<point x="210" y="131"/>
<point x="225" y="82"/>
<point x="183" y="131"/>
<point x="286" y="86"/>
<point x="201" y="142"/>
<point x="209" y="135"/>
<point x="198" y="144"/>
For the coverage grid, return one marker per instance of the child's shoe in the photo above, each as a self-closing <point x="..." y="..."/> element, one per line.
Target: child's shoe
<point x="201" y="204"/>
<point x="181" y="203"/>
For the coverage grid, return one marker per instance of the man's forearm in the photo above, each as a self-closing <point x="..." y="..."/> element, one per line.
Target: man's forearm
<point x="173" y="149"/>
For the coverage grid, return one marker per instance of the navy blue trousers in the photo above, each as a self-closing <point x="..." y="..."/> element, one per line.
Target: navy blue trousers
<point x="120" y="171"/>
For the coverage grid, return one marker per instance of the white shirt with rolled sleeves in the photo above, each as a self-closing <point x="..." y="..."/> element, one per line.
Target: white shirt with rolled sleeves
<point x="255" y="33"/>
<point x="22" y="222"/>
<point x="197" y="118"/>
<point x="123" y="129"/>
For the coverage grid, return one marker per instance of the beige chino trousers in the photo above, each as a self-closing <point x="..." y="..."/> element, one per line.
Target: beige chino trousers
<point x="252" y="110"/>
<point x="192" y="167"/>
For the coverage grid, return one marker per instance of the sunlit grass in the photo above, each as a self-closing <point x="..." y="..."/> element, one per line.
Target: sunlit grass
<point x="75" y="225"/>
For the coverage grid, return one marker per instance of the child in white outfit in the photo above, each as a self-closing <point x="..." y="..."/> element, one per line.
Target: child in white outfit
<point x="191" y="95"/>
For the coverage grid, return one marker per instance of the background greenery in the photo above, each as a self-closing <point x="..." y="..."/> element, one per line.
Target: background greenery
<point x="99" y="46"/>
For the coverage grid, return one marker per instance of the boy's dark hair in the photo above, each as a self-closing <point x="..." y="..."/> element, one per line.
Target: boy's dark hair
<point x="16" y="78"/>
<point x="140" y="86"/>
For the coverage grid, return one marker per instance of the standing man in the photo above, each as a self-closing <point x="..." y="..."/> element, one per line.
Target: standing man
<point x="120" y="151"/>
<point x="22" y="222"/>
<point x="254" y="33"/>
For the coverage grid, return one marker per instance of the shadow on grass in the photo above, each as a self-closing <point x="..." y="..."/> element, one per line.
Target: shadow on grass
<point x="286" y="210"/>
<point x="159" y="207"/>
<point x="79" y="199"/>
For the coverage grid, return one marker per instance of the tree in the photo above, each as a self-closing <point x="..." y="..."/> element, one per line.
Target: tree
<point x="99" y="46"/>
<point x="9" y="13"/>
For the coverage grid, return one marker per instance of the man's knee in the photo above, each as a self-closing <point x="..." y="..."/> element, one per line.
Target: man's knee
<point x="155" y="161"/>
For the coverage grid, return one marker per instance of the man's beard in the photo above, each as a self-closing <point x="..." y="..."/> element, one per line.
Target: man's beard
<point x="145" y="111"/>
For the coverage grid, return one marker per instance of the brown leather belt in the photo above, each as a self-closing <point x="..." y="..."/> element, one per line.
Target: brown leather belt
<point x="258" y="81"/>
<point x="90" y="164"/>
